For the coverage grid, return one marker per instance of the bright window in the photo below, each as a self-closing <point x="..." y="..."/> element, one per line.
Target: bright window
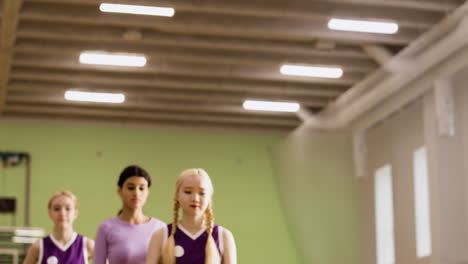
<point x="421" y="200"/>
<point x="384" y="215"/>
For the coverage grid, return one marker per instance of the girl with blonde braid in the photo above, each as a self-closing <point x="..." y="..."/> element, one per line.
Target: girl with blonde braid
<point x="194" y="238"/>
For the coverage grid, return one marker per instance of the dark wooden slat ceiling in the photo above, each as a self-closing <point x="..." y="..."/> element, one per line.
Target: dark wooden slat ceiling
<point x="202" y="63"/>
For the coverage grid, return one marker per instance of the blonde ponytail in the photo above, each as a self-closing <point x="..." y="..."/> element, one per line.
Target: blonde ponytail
<point x="211" y="250"/>
<point x="168" y="256"/>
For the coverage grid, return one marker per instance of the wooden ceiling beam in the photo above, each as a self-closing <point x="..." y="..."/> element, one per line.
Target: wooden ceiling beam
<point x="426" y="5"/>
<point x="254" y="28"/>
<point x="146" y="104"/>
<point x="73" y="79"/>
<point x="154" y="116"/>
<point x="378" y="53"/>
<point x="412" y="13"/>
<point x="171" y="96"/>
<point x="8" y="27"/>
<point x="56" y="32"/>
<point x="72" y="48"/>
<point x="181" y="70"/>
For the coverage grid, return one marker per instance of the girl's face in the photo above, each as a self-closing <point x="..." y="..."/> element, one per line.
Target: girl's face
<point x="134" y="192"/>
<point x="194" y="195"/>
<point x="63" y="212"/>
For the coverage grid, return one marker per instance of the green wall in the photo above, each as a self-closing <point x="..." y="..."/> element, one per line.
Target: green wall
<point x="314" y="172"/>
<point x="87" y="160"/>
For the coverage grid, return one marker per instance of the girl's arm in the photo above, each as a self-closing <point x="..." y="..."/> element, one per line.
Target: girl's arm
<point x="229" y="253"/>
<point x="100" y="246"/>
<point x="33" y="253"/>
<point x="90" y="248"/>
<point x="155" y="246"/>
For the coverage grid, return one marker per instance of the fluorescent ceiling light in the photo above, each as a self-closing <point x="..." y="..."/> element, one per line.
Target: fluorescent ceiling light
<point x="137" y="9"/>
<point x="312" y="71"/>
<point x="363" y="26"/>
<point x="94" y="97"/>
<point x="116" y="59"/>
<point x="271" y="106"/>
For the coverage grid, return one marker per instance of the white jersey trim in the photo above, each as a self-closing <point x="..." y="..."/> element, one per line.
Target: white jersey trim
<point x="41" y="250"/>
<point x="64" y="247"/>
<point x="85" y="250"/>
<point x="192" y="236"/>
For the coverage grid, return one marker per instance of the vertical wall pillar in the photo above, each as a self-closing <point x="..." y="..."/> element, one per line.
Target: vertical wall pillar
<point x="445" y="109"/>
<point x="360" y="154"/>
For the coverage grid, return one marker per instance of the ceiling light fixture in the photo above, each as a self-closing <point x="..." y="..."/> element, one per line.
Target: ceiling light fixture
<point x="94" y="97"/>
<point x="311" y="71"/>
<point x="363" y="26"/>
<point x="137" y="9"/>
<point x="271" y="106"/>
<point x="114" y="59"/>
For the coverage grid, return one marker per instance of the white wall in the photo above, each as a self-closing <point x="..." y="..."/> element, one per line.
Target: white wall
<point x="393" y="140"/>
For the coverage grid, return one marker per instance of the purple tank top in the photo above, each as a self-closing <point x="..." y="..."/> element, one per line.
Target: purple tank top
<point x="72" y="253"/>
<point x="191" y="249"/>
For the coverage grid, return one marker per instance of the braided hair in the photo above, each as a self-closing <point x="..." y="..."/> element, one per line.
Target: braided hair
<point x="211" y="252"/>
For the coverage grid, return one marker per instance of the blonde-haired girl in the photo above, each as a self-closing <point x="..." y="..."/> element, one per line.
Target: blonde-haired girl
<point x="63" y="245"/>
<point x="194" y="238"/>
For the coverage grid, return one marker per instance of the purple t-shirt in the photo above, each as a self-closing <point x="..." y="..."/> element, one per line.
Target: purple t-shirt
<point x="52" y="252"/>
<point x="123" y="243"/>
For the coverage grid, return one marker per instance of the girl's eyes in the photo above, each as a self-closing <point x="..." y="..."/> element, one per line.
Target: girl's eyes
<point x="190" y="192"/>
<point x="58" y="209"/>
<point x="133" y="188"/>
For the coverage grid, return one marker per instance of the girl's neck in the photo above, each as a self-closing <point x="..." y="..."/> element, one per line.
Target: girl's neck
<point x="135" y="216"/>
<point x="192" y="223"/>
<point x="62" y="235"/>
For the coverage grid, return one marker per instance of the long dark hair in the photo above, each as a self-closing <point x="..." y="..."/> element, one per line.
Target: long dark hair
<point x="133" y="170"/>
<point x="130" y="171"/>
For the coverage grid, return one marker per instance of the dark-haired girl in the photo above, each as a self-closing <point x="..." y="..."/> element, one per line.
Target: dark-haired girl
<point x="125" y="238"/>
